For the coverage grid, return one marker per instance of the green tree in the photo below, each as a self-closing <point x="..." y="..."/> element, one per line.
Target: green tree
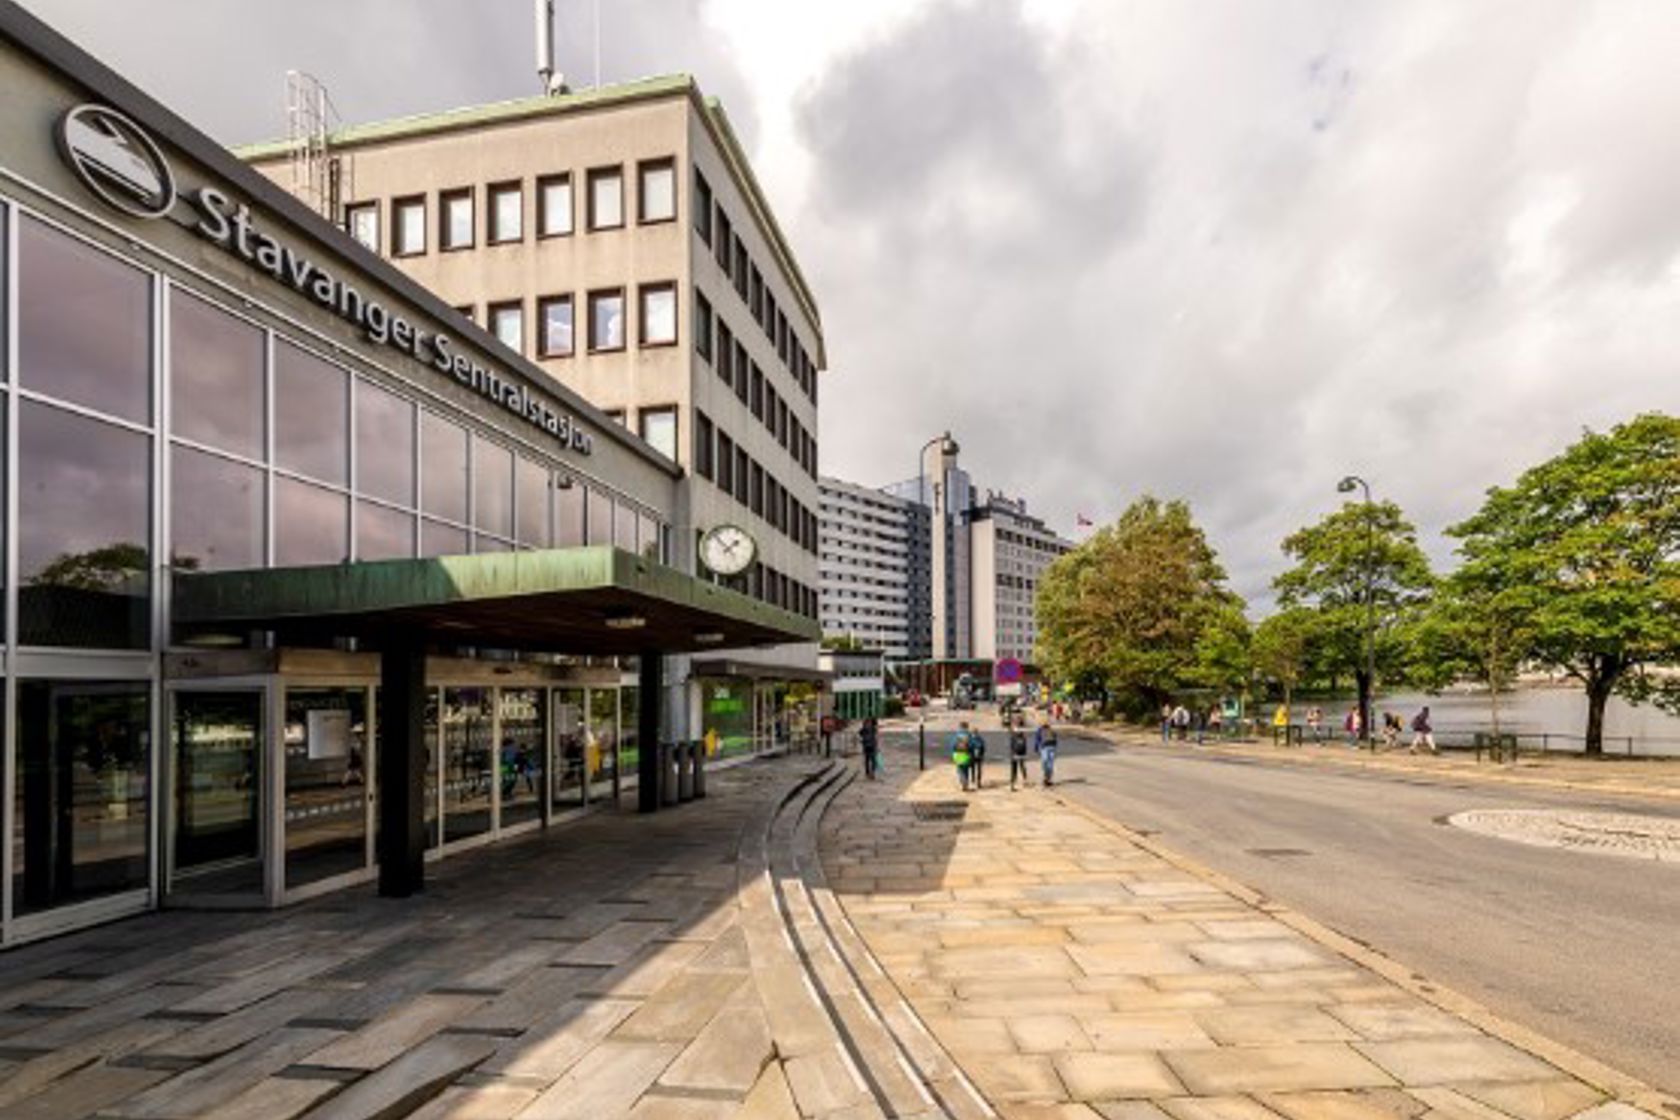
<point x="1283" y="647"/>
<point x="98" y="569"/>
<point x="1585" y="549"/>
<point x="1472" y="630"/>
<point x="1354" y="550"/>
<point x="1141" y="606"/>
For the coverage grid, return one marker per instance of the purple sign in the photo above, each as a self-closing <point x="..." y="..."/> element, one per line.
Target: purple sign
<point x="1008" y="671"/>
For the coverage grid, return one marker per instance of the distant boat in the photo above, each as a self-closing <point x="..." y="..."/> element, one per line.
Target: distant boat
<point x="114" y="156"/>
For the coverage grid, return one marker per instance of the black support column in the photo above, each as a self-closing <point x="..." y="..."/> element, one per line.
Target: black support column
<point x="402" y="765"/>
<point x="649" y="773"/>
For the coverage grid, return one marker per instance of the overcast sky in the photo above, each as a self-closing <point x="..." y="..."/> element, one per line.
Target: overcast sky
<point x="1220" y="251"/>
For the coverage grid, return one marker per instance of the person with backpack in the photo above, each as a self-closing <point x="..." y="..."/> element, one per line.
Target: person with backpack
<point x="869" y="738"/>
<point x="1044" y="742"/>
<point x="958" y="745"/>
<point x="977" y="757"/>
<point x="1181" y="722"/>
<point x="1423" y="733"/>
<point x="1017" y="755"/>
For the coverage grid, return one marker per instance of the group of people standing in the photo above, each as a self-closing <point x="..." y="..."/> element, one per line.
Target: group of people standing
<point x="1353" y="725"/>
<point x="968" y="752"/>
<point x="1177" y="720"/>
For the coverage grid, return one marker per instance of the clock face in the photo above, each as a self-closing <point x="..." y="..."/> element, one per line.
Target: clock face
<point x="727" y="550"/>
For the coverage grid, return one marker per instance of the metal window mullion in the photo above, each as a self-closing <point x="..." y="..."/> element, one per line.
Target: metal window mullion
<point x="8" y="735"/>
<point x="352" y="479"/>
<point x="269" y="502"/>
<point x="162" y="817"/>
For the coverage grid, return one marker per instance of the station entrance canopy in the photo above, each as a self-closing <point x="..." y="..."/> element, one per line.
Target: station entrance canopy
<point x="598" y="601"/>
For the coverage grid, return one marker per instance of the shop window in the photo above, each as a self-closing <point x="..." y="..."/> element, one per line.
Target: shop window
<point x="384" y="445"/>
<point x="606" y="320"/>
<point x="311" y="415"/>
<point x="311" y="524"/>
<point x="659" y="429"/>
<point x="658" y="314"/>
<point x="554" y="206"/>
<point x="507" y="323"/>
<point x="84" y="531"/>
<point x="408" y="226"/>
<point x="569" y="514"/>
<point x="361" y="220"/>
<point x="383" y="533"/>
<point x="216" y="518"/>
<point x="83" y="792"/>
<point x="554" y="326"/>
<point x="600" y="517"/>
<point x="492" y="488"/>
<point x="530" y="485"/>
<point x="606" y="198"/>
<point x="455" y="219"/>
<point x="84" y="324"/>
<point x="507" y="213"/>
<point x="325" y="737"/>
<point x="702" y="204"/>
<point x="216" y="377"/>
<point x="443" y="469"/>
<point x="656" y="192"/>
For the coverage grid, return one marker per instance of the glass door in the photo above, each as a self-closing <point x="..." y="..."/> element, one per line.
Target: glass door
<point x="323" y="745"/>
<point x="217" y="739"/>
<point x="570" y="747"/>
<point x="466" y="729"/>
<point x="523" y="751"/>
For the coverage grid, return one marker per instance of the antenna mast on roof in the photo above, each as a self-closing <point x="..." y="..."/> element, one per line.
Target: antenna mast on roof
<point x="552" y="82"/>
<point x="321" y="180"/>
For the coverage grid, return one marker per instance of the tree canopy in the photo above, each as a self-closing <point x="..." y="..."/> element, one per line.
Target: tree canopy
<point x="1141" y="607"/>
<point x="1584" y="552"/>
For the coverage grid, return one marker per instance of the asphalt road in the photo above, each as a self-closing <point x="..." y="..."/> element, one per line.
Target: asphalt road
<point x="1582" y="947"/>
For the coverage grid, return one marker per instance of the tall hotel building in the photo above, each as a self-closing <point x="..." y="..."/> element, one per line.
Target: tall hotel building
<point x="874" y="563"/>
<point x="618" y="239"/>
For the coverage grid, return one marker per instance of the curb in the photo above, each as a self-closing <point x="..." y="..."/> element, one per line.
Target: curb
<point x="1614" y="1083"/>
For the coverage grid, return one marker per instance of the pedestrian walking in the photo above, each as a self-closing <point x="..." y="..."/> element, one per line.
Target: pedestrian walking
<point x="1166" y="722"/>
<point x="1018" y="755"/>
<point x="1391" y="730"/>
<point x="1216" y="722"/>
<point x="1044" y="742"/>
<point x="958" y="745"/>
<point x="1315" y="723"/>
<point x="869" y="737"/>
<point x="1423" y="733"/>
<point x="1200" y="719"/>
<point x="977" y="758"/>
<point x="1352" y="725"/>
<point x="1181" y="722"/>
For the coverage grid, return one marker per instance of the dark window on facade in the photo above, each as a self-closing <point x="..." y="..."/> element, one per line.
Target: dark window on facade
<point x="704" y="452"/>
<point x="702" y="204"/>
<point x="506" y="213"/>
<point x="554" y="327"/>
<point x="606" y="198"/>
<point x="757" y="392"/>
<point x="554" y="205"/>
<point x="756" y="300"/>
<point x="758" y="489"/>
<point x="725" y="236"/>
<point x="769" y="316"/>
<point x="743" y="474"/>
<point x="656" y="191"/>
<point x="455" y="219"/>
<point x="606" y="320"/>
<point x="742" y="268"/>
<point x="702" y="326"/>
<point x="725" y="463"/>
<point x="742" y="372"/>
<point x="725" y="352"/>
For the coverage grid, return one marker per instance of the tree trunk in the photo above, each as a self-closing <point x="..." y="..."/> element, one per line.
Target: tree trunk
<point x="1363" y="680"/>
<point x="1599" y="685"/>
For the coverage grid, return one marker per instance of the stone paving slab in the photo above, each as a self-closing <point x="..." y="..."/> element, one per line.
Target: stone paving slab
<point x="1072" y="971"/>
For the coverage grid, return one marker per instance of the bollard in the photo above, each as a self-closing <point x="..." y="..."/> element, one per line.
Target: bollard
<point x="699" y="748"/>
<point x="921" y="745"/>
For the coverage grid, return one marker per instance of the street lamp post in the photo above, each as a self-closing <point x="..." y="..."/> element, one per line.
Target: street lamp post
<point x="1346" y="486"/>
<point x="923" y="498"/>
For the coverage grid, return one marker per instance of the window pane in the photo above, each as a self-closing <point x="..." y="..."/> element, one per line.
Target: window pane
<point x="311" y="524"/>
<point x="216" y="516"/>
<point x="507" y="215"/>
<point x="606" y="321"/>
<point x="437" y="539"/>
<point x="492" y="488"/>
<point x="600" y="518"/>
<point x="556" y="206"/>
<point x="83" y="798"/>
<point x="84" y="531"/>
<point x="702" y="326"/>
<point x="384" y="444"/>
<point x="364" y="224"/>
<point x="383" y="533"/>
<point x="326" y="814"/>
<point x="311" y="415"/>
<point x="84" y="324"/>
<point x="556" y="326"/>
<point x="624" y="529"/>
<point x="568" y="515"/>
<point x="443" y="469"/>
<point x="522" y="752"/>
<point x="658" y="192"/>
<point x="659" y="428"/>
<point x="410" y="232"/>
<point x="606" y="199"/>
<point x="702" y="204"/>
<point x="457" y="232"/>
<point x="531" y="510"/>
<point x="216" y="377"/>
<point x="507" y="323"/>
<point x="659" y="315"/>
<point x="647" y="537"/>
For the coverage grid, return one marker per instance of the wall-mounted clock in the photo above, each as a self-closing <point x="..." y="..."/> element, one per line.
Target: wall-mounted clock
<point x="727" y="550"/>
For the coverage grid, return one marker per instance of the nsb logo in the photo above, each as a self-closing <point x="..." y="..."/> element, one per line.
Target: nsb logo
<point x="117" y="161"/>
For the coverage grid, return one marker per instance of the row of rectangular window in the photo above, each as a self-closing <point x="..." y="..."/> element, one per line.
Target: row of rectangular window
<point x="768" y="585"/>
<point x="720" y="459"/>
<point x="457" y="219"/>
<point x="751" y="387"/>
<point x="712" y="225"/>
<point x="556" y="336"/>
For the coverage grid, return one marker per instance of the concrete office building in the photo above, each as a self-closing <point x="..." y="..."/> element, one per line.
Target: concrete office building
<point x="307" y="580"/>
<point x="617" y="238"/>
<point x="1008" y="552"/>
<point x="874" y="563"/>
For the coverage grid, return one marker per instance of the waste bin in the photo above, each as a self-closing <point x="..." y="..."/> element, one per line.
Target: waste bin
<point x="668" y="773"/>
<point x="685" y="771"/>
<point x="699" y="748"/>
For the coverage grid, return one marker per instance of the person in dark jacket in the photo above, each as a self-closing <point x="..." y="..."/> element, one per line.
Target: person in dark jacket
<point x="869" y="738"/>
<point x="1018" y="754"/>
